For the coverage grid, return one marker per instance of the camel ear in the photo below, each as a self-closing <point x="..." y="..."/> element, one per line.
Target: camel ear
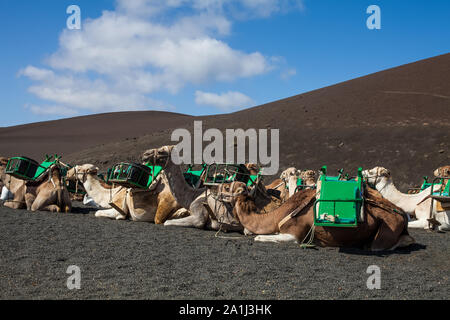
<point x="386" y="173"/>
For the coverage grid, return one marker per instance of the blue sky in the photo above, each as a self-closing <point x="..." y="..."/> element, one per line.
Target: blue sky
<point x="189" y="57"/>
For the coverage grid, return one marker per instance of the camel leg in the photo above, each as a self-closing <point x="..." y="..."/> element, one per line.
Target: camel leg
<point x="278" y="238"/>
<point x="444" y="220"/>
<point x="197" y="219"/>
<point x="180" y="213"/>
<point x="44" y="199"/>
<point x="19" y="200"/>
<point x="14" y="205"/>
<point x="421" y="224"/>
<point x="248" y="232"/>
<point x="107" y="213"/>
<point x="121" y="217"/>
<point x="404" y="241"/>
<point x="67" y="203"/>
<point x="388" y="235"/>
<point x="163" y="211"/>
<point x="51" y="208"/>
<point x="29" y="200"/>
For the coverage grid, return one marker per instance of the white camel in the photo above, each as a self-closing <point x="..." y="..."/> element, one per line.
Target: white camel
<point x="417" y="205"/>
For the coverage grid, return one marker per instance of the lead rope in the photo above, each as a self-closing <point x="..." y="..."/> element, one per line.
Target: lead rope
<point x="220" y="220"/>
<point x="309" y="243"/>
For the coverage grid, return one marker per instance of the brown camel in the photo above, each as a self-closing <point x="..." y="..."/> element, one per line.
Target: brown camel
<point x="383" y="229"/>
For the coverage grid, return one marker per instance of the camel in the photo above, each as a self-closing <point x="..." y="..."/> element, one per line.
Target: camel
<point x="381" y="230"/>
<point x="208" y="209"/>
<point x="417" y="205"/>
<point x="49" y="193"/>
<point x="253" y="168"/>
<point x="443" y="172"/>
<point x="154" y="205"/>
<point x="286" y="185"/>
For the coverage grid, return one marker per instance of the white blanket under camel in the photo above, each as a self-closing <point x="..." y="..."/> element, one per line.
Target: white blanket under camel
<point x="6" y="194"/>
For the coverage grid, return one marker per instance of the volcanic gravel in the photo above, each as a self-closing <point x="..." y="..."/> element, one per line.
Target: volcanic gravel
<point x="131" y="260"/>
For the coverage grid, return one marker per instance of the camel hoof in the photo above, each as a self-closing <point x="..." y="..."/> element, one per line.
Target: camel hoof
<point x="248" y="232"/>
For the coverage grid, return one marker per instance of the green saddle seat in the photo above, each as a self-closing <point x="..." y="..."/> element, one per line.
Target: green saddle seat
<point x="28" y="169"/>
<point x="193" y="177"/>
<point x="226" y="173"/>
<point x="133" y="175"/>
<point x="339" y="203"/>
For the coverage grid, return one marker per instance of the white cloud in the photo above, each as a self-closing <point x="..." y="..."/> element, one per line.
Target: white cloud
<point x="115" y="62"/>
<point x="36" y="73"/>
<point x="225" y="101"/>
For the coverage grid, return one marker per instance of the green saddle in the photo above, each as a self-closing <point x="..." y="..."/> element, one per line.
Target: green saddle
<point x="192" y="177"/>
<point x="133" y="175"/>
<point x="340" y="201"/>
<point x="28" y="169"/>
<point x="226" y="173"/>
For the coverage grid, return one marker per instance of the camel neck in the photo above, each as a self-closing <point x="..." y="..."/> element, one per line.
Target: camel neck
<point x="92" y="184"/>
<point x="181" y="191"/>
<point x="388" y="189"/>
<point x="259" y="223"/>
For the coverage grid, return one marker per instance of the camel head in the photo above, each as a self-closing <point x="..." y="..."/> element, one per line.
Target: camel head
<point x="229" y="191"/>
<point x="3" y="161"/>
<point x="158" y="156"/>
<point x="290" y="177"/>
<point x="78" y="172"/>
<point x="253" y="168"/>
<point x="289" y="173"/>
<point x="232" y="189"/>
<point x="376" y="175"/>
<point x="442" y="172"/>
<point x="309" y="177"/>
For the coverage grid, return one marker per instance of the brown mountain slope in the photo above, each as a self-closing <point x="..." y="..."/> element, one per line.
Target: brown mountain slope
<point x="398" y="118"/>
<point x="74" y="134"/>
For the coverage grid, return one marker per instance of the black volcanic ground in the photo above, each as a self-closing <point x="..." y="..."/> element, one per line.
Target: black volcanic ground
<point x="397" y="118"/>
